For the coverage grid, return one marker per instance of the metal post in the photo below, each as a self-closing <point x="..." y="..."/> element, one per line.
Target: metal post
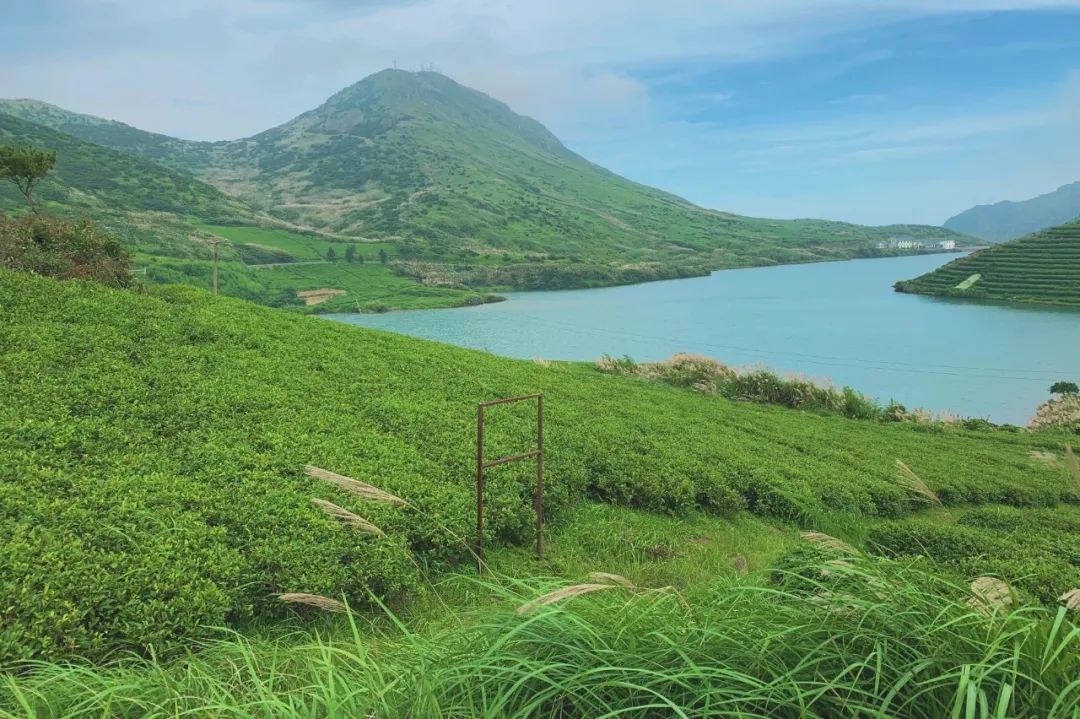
<point x="482" y="466"/>
<point x="538" y="497"/>
<point x="480" y="488"/>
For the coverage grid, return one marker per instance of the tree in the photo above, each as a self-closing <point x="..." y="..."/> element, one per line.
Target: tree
<point x="350" y="253"/>
<point x="1064" y="388"/>
<point x="25" y="167"/>
<point x="359" y="259"/>
<point x="382" y="255"/>
<point x="330" y="254"/>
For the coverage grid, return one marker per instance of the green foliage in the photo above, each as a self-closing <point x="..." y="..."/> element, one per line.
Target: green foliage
<point x="1064" y="388"/>
<point x="706" y="375"/>
<point x="62" y="249"/>
<point x="331" y="255"/>
<point x="1036" y="550"/>
<point x="895" y="641"/>
<point x="25" y="167"/>
<point x="138" y="427"/>
<point x="1043" y="267"/>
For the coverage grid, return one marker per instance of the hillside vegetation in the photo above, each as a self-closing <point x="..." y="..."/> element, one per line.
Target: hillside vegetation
<point x="152" y="468"/>
<point x="147" y="205"/>
<point x="468" y="192"/>
<point x="1008" y="220"/>
<point x="1043" y="267"/>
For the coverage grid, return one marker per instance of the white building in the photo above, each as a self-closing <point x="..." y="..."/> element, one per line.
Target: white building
<point x="908" y="245"/>
<point x="947" y="244"/>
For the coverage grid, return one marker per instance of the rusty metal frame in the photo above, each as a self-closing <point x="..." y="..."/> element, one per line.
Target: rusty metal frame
<point x="482" y="467"/>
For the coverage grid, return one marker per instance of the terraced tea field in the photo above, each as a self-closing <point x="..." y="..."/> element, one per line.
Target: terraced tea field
<point x="1043" y="267"/>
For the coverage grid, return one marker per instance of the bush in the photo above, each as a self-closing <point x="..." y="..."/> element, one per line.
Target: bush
<point x="1036" y="550"/>
<point x="709" y="376"/>
<point x="63" y="249"/>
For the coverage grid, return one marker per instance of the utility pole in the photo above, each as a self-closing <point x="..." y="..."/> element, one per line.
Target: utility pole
<point x="213" y="281"/>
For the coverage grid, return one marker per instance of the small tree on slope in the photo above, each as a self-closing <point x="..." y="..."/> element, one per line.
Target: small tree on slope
<point x="25" y="167"/>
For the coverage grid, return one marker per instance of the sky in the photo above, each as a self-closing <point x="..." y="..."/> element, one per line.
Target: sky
<point x="871" y="111"/>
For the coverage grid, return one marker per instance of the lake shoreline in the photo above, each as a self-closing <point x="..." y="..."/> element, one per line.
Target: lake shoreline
<point x="836" y="320"/>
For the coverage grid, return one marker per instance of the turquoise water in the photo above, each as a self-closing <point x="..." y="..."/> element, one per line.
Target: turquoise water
<point x="839" y="321"/>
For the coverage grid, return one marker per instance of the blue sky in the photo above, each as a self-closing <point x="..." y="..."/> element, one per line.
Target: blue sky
<point x="871" y="111"/>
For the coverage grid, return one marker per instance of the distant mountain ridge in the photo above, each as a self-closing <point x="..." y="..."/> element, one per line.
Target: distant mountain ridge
<point x="1008" y="220"/>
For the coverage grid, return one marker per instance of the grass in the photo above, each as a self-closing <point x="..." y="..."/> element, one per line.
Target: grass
<point x="202" y="412"/>
<point x="1043" y="267"/>
<point x="370" y="287"/>
<point x="817" y="639"/>
<point x="299" y="247"/>
<point x="194" y="487"/>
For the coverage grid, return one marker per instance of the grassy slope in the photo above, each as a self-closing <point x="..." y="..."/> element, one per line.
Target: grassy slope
<point x="156" y="442"/>
<point x="1043" y="267"/>
<point x="460" y="181"/>
<point x="150" y="207"/>
<point x="270" y="265"/>
<point x="160" y="215"/>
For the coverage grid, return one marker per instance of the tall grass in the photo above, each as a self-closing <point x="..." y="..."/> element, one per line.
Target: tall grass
<point x="842" y="639"/>
<point x="709" y="376"/>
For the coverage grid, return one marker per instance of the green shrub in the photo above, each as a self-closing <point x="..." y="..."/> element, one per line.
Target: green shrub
<point x="63" y="249"/>
<point x="1036" y="550"/>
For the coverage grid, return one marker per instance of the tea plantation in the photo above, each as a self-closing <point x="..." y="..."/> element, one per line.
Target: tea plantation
<point x="153" y="445"/>
<point x="1043" y="267"/>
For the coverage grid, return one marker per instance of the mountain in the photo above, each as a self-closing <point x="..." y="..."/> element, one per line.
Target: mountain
<point x="142" y="201"/>
<point x="1043" y="267"/>
<point x="1008" y="220"/>
<point x="469" y="192"/>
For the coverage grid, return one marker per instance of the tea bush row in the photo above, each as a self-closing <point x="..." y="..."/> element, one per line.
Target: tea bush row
<point x="1035" y="550"/>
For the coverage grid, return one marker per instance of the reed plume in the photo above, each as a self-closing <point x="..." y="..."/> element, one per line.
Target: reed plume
<point x="363" y="490"/>
<point x="348" y="517"/>
<point x="908" y="479"/>
<point x="313" y="600"/>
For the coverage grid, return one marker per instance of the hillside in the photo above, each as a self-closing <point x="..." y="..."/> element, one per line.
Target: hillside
<point x="1043" y="267"/>
<point x="471" y="193"/>
<point x="1009" y="220"/>
<point x="166" y="433"/>
<point x="148" y="205"/>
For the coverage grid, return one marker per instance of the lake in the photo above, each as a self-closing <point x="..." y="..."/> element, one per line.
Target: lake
<point x="839" y="321"/>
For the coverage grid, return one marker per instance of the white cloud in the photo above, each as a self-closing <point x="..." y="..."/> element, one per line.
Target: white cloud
<point x="235" y="66"/>
<point x="215" y="69"/>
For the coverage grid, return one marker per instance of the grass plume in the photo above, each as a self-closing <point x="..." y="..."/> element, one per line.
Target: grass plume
<point x="574" y="590"/>
<point x="990" y="594"/>
<point x="313" y="600"/>
<point x="348" y="517"/>
<point x="828" y="541"/>
<point x="911" y="481"/>
<point x="363" y="490"/>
